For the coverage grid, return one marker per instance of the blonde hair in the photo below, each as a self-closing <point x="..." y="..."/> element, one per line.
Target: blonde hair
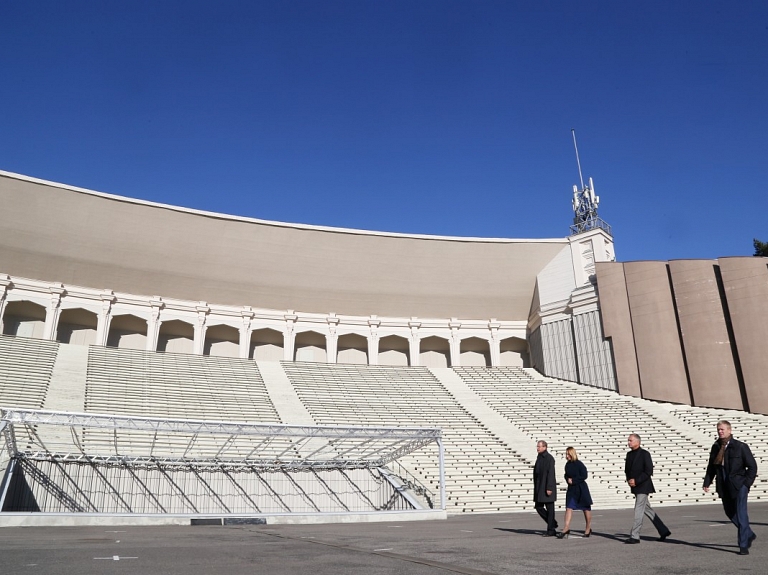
<point x="572" y="452"/>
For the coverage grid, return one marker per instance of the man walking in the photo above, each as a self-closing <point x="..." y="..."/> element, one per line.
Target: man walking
<point x="638" y="469"/>
<point x="732" y="463"/>
<point x="545" y="487"/>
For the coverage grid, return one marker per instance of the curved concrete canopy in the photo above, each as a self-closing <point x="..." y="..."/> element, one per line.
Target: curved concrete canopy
<point x="59" y="233"/>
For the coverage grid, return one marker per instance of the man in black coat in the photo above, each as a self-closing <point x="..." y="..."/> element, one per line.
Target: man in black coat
<point x="638" y="469"/>
<point x="545" y="487"/>
<point x="734" y="466"/>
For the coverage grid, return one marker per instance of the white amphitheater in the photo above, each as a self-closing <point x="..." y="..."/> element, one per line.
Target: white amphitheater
<point x="174" y="365"/>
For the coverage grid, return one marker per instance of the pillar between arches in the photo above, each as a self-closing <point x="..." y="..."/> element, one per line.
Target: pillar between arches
<point x="105" y="318"/>
<point x="153" y="325"/>
<point x="494" y="342"/>
<point x="289" y="335"/>
<point x="200" y="328"/>
<point x="414" y="342"/>
<point x="53" y="312"/>
<point x="5" y="284"/>
<point x="245" y="332"/>
<point x="332" y="339"/>
<point x="454" y="345"/>
<point x="373" y="341"/>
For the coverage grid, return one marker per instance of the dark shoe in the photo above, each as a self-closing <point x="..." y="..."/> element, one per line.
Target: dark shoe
<point x="587" y="533"/>
<point x="549" y="534"/>
<point x="743" y="551"/>
<point x="563" y="534"/>
<point x="631" y="540"/>
<point x="751" y="539"/>
<point x="664" y="535"/>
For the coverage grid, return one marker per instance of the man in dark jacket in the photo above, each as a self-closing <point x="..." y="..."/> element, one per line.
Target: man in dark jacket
<point x="638" y="469"/>
<point x="734" y="466"/>
<point x="545" y="487"/>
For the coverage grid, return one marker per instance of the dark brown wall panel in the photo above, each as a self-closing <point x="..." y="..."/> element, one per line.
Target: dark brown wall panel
<point x="745" y="281"/>
<point x="657" y="340"/>
<point x="617" y="324"/>
<point x="711" y="366"/>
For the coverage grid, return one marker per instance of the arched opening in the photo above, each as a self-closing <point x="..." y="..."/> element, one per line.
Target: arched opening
<point x="176" y="336"/>
<point x="352" y="348"/>
<point x="222" y="341"/>
<point x="24" y="319"/>
<point x="475" y="351"/>
<point x="77" y="326"/>
<point x="127" y="332"/>
<point x="394" y="350"/>
<point x="266" y="345"/>
<point x="514" y="352"/>
<point x="435" y="352"/>
<point x="310" y="346"/>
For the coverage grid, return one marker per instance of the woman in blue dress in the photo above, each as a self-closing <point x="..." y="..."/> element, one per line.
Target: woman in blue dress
<point x="577" y="498"/>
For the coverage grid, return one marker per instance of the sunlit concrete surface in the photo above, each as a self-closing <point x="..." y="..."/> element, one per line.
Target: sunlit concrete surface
<point x="702" y="541"/>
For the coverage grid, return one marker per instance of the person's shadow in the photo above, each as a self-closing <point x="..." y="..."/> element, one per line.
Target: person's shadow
<point x="622" y="538"/>
<point x="521" y="531"/>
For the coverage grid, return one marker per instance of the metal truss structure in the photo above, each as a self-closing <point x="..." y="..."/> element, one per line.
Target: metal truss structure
<point x="585" y="203"/>
<point x="129" y="441"/>
<point x="585" y="216"/>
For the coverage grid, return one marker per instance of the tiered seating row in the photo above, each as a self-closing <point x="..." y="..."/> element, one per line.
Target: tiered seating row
<point x="482" y="473"/>
<point x="26" y="365"/>
<point x="176" y="385"/>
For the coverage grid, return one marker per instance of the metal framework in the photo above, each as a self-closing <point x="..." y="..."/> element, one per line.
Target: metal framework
<point x="585" y="203"/>
<point x="99" y="439"/>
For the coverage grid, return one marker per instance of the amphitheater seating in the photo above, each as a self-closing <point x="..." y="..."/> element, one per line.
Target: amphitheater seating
<point x="597" y="424"/>
<point x="170" y="385"/>
<point x="482" y="474"/>
<point x="26" y="365"/>
<point x="131" y="382"/>
<point x="747" y="427"/>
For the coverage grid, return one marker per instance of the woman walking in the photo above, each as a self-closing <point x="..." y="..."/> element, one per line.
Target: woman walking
<point x="577" y="498"/>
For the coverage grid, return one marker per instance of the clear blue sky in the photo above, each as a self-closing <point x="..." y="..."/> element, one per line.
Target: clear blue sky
<point x="434" y="117"/>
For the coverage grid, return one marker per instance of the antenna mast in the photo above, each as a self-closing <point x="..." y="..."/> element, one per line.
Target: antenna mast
<point x="585" y="203"/>
<point x="578" y="162"/>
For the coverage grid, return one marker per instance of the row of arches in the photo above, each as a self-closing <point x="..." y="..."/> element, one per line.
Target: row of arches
<point x="79" y="326"/>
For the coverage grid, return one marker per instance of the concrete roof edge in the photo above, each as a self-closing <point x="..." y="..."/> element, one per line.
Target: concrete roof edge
<point x="330" y="229"/>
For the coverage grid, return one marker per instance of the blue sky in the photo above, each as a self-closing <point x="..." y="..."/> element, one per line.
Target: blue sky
<point x="444" y="117"/>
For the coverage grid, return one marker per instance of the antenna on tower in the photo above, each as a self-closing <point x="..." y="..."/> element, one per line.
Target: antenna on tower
<point x="585" y="203"/>
<point x="578" y="162"/>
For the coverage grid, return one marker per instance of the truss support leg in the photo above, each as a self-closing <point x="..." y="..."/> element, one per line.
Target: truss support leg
<point x="6" y="482"/>
<point x="441" y="452"/>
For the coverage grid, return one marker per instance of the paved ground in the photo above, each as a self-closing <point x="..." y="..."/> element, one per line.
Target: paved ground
<point x="702" y="542"/>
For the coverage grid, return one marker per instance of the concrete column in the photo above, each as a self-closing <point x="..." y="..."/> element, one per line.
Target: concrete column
<point x="494" y="343"/>
<point x="289" y="335"/>
<point x="331" y="339"/>
<point x="53" y="312"/>
<point x="373" y="341"/>
<point x="454" y="343"/>
<point x="414" y="341"/>
<point x="245" y="332"/>
<point x="154" y="322"/>
<point x="200" y="328"/>
<point x="5" y="283"/>
<point x="105" y="318"/>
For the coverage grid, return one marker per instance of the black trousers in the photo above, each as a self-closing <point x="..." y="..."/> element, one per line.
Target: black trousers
<point x="547" y="512"/>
